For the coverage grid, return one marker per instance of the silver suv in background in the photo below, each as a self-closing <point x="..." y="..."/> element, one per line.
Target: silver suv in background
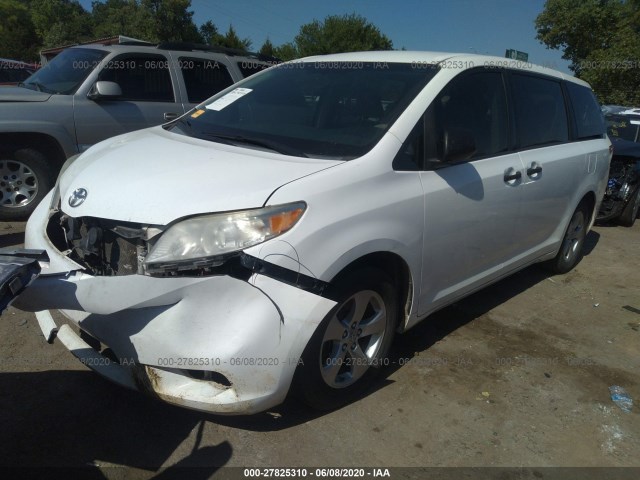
<point x="92" y="92"/>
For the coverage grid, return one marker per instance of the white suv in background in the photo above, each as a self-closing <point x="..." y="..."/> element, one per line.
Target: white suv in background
<point x="278" y="235"/>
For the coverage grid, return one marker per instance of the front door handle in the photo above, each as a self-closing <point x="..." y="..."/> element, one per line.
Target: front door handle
<point x="512" y="174"/>
<point x="168" y="116"/>
<point x="534" y="169"/>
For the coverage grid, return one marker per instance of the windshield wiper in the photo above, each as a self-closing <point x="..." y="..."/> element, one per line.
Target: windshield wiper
<point x="275" y="146"/>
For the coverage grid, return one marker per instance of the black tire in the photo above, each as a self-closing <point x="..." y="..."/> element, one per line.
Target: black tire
<point x="630" y="211"/>
<point x="25" y="179"/>
<point x="338" y="366"/>
<point x="571" y="252"/>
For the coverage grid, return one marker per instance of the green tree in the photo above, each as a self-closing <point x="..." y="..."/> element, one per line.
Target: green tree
<point x="123" y="17"/>
<point x="18" y="38"/>
<point x="232" y="40"/>
<point x="286" y="52"/>
<point x="173" y="20"/>
<point x="60" y="22"/>
<point x="209" y="33"/>
<point x="346" y="33"/>
<point x="601" y="39"/>
<point x="267" y="48"/>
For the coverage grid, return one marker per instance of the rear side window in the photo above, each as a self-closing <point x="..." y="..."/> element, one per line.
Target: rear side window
<point x="203" y="78"/>
<point x="589" y="118"/>
<point x="541" y="115"/>
<point x="143" y="78"/>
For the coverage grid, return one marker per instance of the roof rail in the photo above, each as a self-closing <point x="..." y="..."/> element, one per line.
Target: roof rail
<point x="234" y="52"/>
<point x="141" y="43"/>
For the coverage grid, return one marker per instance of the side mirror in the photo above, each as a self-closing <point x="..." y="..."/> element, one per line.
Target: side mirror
<point x="103" y="90"/>
<point x="459" y="145"/>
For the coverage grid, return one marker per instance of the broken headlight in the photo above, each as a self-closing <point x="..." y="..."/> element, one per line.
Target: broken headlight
<point x="206" y="241"/>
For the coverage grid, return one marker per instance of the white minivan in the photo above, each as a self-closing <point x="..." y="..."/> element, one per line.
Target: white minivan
<point x="274" y="238"/>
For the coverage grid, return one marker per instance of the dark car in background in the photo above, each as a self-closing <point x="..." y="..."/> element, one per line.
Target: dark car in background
<point x="621" y="201"/>
<point x="13" y="72"/>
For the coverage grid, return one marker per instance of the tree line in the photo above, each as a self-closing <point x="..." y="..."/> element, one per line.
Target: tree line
<point x="28" y="26"/>
<point x="601" y="38"/>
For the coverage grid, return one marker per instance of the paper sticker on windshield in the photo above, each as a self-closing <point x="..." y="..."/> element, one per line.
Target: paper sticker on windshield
<point x="228" y="99"/>
<point x="197" y="113"/>
<point x="635" y="122"/>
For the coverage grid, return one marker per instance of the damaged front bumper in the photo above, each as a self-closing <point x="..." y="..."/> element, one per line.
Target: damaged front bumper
<point x="213" y="343"/>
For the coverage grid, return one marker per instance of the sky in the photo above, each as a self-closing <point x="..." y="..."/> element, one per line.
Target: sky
<point x="463" y="26"/>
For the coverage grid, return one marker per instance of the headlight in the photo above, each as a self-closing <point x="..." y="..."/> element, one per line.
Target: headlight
<point x="205" y="241"/>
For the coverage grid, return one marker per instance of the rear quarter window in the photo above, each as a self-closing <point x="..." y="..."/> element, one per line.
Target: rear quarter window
<point x="587" y="112"/>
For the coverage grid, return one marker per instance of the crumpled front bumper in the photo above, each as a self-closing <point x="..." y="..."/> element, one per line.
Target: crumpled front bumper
<point x="217" y="343"/>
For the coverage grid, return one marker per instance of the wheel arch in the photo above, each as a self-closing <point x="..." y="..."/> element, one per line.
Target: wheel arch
<point x="397" y="269"/>
<point x="589" y="200"/>
<point x="46" y="144"/>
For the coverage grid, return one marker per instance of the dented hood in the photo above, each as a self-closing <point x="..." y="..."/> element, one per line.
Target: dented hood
<point x="154" y="176"/>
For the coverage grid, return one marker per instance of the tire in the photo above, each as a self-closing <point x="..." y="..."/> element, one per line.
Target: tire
<point x="25" y="179"/>
<point x="570" y="252"/>
<point x="341" y="360"/>
<point x="630" y="211"/>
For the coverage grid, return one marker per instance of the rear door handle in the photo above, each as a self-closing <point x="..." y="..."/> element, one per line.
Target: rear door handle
<point x="511" y="174"/>
<point x="170" y="116"/>
<point x="534" y="169"/>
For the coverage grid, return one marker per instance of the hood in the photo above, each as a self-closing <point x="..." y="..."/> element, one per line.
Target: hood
<point x="153" y="176"/>
<point x="20" y="94"/>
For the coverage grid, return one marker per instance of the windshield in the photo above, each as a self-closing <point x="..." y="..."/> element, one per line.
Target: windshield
<point x="66" y="72"/>
<point x="336" y="110"/>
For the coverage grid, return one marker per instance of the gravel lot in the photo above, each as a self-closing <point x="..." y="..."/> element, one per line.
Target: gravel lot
<point x="516" y="375"/>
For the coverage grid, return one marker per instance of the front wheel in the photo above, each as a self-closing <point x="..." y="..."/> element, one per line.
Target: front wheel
<point x="351" y="344"/>
<point x="25" y="179"/>
<point x="571" y="249"/>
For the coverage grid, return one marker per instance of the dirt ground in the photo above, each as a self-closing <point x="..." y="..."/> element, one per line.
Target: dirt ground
<point x="517" y="375"/>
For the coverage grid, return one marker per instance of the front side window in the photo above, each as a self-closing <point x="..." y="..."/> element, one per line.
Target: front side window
<point x="203" y="78"/>
<point x="143" y="78"/>
<point x="336" y="110"/>
<point x="468" y="120"/>
<point x="65" y="73"/>
<point x="541" y="116"/>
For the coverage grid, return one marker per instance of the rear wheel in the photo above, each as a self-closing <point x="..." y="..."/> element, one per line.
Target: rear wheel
<point x="25" y="179"/>
<point x="630" y="211"/>
<point x="571" y="249"/>
<point x="351" y="344"/>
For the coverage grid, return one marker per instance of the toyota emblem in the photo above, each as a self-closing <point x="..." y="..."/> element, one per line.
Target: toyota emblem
<point x="78" y="197"/>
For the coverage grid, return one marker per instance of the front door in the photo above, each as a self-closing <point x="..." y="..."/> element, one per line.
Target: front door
<point x="148" y="99"/>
